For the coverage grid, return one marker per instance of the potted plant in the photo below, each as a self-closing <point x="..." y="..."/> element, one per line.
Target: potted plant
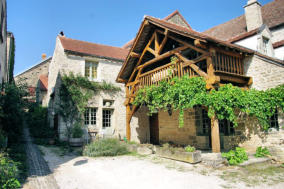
<point x="76" y="138"/>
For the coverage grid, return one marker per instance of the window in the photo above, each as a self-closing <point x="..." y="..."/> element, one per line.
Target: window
<point x="204" y="124"/>
<point x="91" y="70"/>
<point x="107" y="118"/>
<point x="274" y="121"/>
<point x="265" y="43"/>
<point x="90" y="116"/>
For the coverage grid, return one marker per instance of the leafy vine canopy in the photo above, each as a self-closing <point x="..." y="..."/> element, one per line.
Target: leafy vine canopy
<point x="80" y="90"/>
<point x="223" y="102"/>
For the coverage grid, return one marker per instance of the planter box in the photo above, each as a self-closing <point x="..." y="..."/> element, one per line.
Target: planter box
<point x="76" y="142"/>
<point x="190" y="157"/>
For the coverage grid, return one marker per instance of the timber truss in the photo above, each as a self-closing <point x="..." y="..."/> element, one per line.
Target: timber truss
<point x="194" y="57"/>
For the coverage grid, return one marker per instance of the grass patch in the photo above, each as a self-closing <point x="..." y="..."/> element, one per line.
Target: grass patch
<point x="105" y="147"/>
<point x="256" y="174"/>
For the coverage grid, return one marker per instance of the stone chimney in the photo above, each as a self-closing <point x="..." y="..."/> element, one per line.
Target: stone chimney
<point x="43" y="56"/>
<point x="253" y="15"/>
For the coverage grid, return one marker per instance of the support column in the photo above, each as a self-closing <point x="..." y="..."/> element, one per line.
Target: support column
<point x="215" y="136"/>
<point x="128" y="120"/>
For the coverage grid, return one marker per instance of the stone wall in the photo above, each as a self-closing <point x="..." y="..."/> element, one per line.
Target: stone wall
<point x="31" y="76"/>
<point x="265" y="73"/>
<point x="277" y="34"/>
<point x="140" y="126"/>
<point x="64" y="63"/>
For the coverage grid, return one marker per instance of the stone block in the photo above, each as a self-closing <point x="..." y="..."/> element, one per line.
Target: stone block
<point x="144" y="150"/>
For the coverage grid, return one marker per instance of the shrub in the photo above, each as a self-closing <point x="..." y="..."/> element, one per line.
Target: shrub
<point x="261" y="152"/>
<point x="77" y="131"/>
<point x="236" y="156"/>
<point x="105" y="147"/>
<point x="189" y="148"/>
<point x="37" y="122"/>
<point x="3" y="140"/>
<point x="8" y="173"/>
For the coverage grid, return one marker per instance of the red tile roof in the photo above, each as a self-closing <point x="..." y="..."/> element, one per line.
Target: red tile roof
<point x="272" y="14"/>
<point x="278" y="44"/>
<point x="43" y="82"/>
<point x="87" y="48"/>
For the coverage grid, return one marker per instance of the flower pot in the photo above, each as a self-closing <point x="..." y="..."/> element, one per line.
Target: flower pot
<point x="76" y="142"/>
<point x="51" y="141"/>
<point x="190" y="157"/>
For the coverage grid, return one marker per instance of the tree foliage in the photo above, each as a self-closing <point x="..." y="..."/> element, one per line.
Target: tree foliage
<point x="224" y="102"/>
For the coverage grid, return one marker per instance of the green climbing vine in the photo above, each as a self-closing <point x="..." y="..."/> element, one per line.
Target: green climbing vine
<point x="224" y="102"/>
<point x="75" y="92"/>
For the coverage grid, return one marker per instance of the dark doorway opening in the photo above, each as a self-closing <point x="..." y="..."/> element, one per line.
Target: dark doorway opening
<point x="154" y="129"/>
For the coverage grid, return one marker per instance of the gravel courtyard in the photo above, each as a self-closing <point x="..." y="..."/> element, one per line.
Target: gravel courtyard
<point x="129" y="172"/>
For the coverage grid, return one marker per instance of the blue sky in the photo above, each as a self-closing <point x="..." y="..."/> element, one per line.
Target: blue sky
<point x="36" y="23"/>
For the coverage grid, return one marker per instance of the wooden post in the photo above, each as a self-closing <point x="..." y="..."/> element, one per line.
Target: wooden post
<point x="215" y="137"/>
<point x="128" y="119"/>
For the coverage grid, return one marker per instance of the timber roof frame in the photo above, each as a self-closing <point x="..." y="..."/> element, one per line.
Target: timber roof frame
<point x="176" y="29"/>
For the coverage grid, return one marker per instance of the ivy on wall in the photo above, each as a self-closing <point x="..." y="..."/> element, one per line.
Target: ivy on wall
<point x="75" y="92"/>
<point x="224" y="102"/>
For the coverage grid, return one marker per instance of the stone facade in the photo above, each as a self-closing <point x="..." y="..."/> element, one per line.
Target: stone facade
<point x="31" y="77"/>
<point x="3" y="42"/>
<point x="107" y="70"/>
<point x="266" y="73"/>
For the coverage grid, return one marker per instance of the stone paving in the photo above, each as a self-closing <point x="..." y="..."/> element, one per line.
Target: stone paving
<point x="40" y="176"/>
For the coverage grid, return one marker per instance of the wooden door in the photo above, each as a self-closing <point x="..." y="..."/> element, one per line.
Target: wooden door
<point x="154" y="129"/>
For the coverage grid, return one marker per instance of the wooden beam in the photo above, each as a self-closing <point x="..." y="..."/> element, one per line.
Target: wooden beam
<point x="142" y="55"/>
<point x="160" y="57"/>
<point x="215" y="136"/>
<point x="135" y="55"/>
<point x="128" y="120"/>
<point x="157" y="46"/>
<point x="198" y="43"/>
<point x="187" y="44"/>
<point x="227" y="52"/>
<point x="192" y="65"/>
<point x="152" y="51"/>
<point x="198" y="59"/>
<point x="164" y="41"/>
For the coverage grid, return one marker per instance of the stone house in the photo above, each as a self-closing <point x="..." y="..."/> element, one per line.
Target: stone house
<point x="246" y="51"/>
<point x="3" y="41"/>
<point x="105" y="114"/>
<point x="35" y="78"/>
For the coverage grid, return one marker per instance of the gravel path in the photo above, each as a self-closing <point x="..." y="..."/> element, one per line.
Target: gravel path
<point x="124" y="172"/>
<point x="40" y="176"/>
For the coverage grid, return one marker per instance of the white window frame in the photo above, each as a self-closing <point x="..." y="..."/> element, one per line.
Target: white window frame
<point x="265" y="45"/>
<point x="90" y="116"/>
<point x="91" y="65"/>
<point x="107" y="120"/>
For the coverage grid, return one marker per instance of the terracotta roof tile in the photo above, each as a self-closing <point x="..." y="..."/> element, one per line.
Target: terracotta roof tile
<point x="88" y="48"/>
<point x="278" y="44"/>
<point x="43" y="82"/>
<point x="272" y="14"/>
